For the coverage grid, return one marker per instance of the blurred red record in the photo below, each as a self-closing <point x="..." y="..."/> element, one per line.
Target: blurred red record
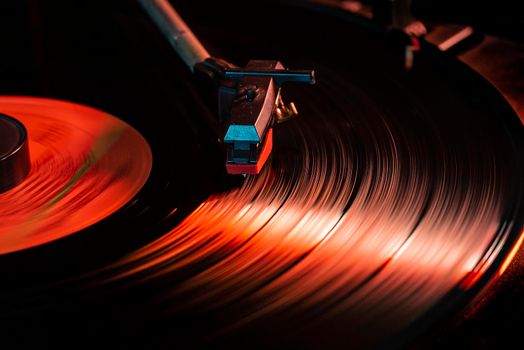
<point x="85" y="165"/>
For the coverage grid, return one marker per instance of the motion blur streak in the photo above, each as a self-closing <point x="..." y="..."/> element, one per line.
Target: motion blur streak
<point x="85" y="163"/>
<point x="512" y="254"/>
<point x="356" y="223"/>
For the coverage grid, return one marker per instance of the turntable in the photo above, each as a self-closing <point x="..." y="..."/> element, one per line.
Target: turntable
<point x="282" y="174"/>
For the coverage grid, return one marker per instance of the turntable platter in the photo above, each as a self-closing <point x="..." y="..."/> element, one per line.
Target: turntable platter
<point x="389" y="203"/>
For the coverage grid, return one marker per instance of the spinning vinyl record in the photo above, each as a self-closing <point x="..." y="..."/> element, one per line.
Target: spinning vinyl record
<point x="86" y="164"/>
<point x="388" y="204"/>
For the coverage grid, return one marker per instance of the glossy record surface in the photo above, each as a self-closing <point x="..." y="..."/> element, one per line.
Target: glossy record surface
<point x="86" y="164"/>
<point x="391" y="200"/>
<point x="387" y="205"/>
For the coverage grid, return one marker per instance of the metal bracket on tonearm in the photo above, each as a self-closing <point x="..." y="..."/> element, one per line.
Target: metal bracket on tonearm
<point x="249" y="98"/>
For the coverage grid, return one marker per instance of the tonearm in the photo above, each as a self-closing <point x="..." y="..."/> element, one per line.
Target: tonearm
<point x="249" y="98"/>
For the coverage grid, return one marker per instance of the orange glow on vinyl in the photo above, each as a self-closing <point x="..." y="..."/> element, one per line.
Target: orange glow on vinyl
<point x="85" y="165"/>
<point x="285" y="244"/>
<point x="511" y="254"/>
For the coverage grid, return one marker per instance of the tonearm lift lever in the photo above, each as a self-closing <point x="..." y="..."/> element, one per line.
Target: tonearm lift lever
<point x="249" y="98"/>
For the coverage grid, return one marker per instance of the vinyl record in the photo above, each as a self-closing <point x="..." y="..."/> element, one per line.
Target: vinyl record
<point x="86" y="165"/>
<point x="389" y="203"/>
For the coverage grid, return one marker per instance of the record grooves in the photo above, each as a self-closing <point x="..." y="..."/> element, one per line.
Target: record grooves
<point x="391" y="202"/>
